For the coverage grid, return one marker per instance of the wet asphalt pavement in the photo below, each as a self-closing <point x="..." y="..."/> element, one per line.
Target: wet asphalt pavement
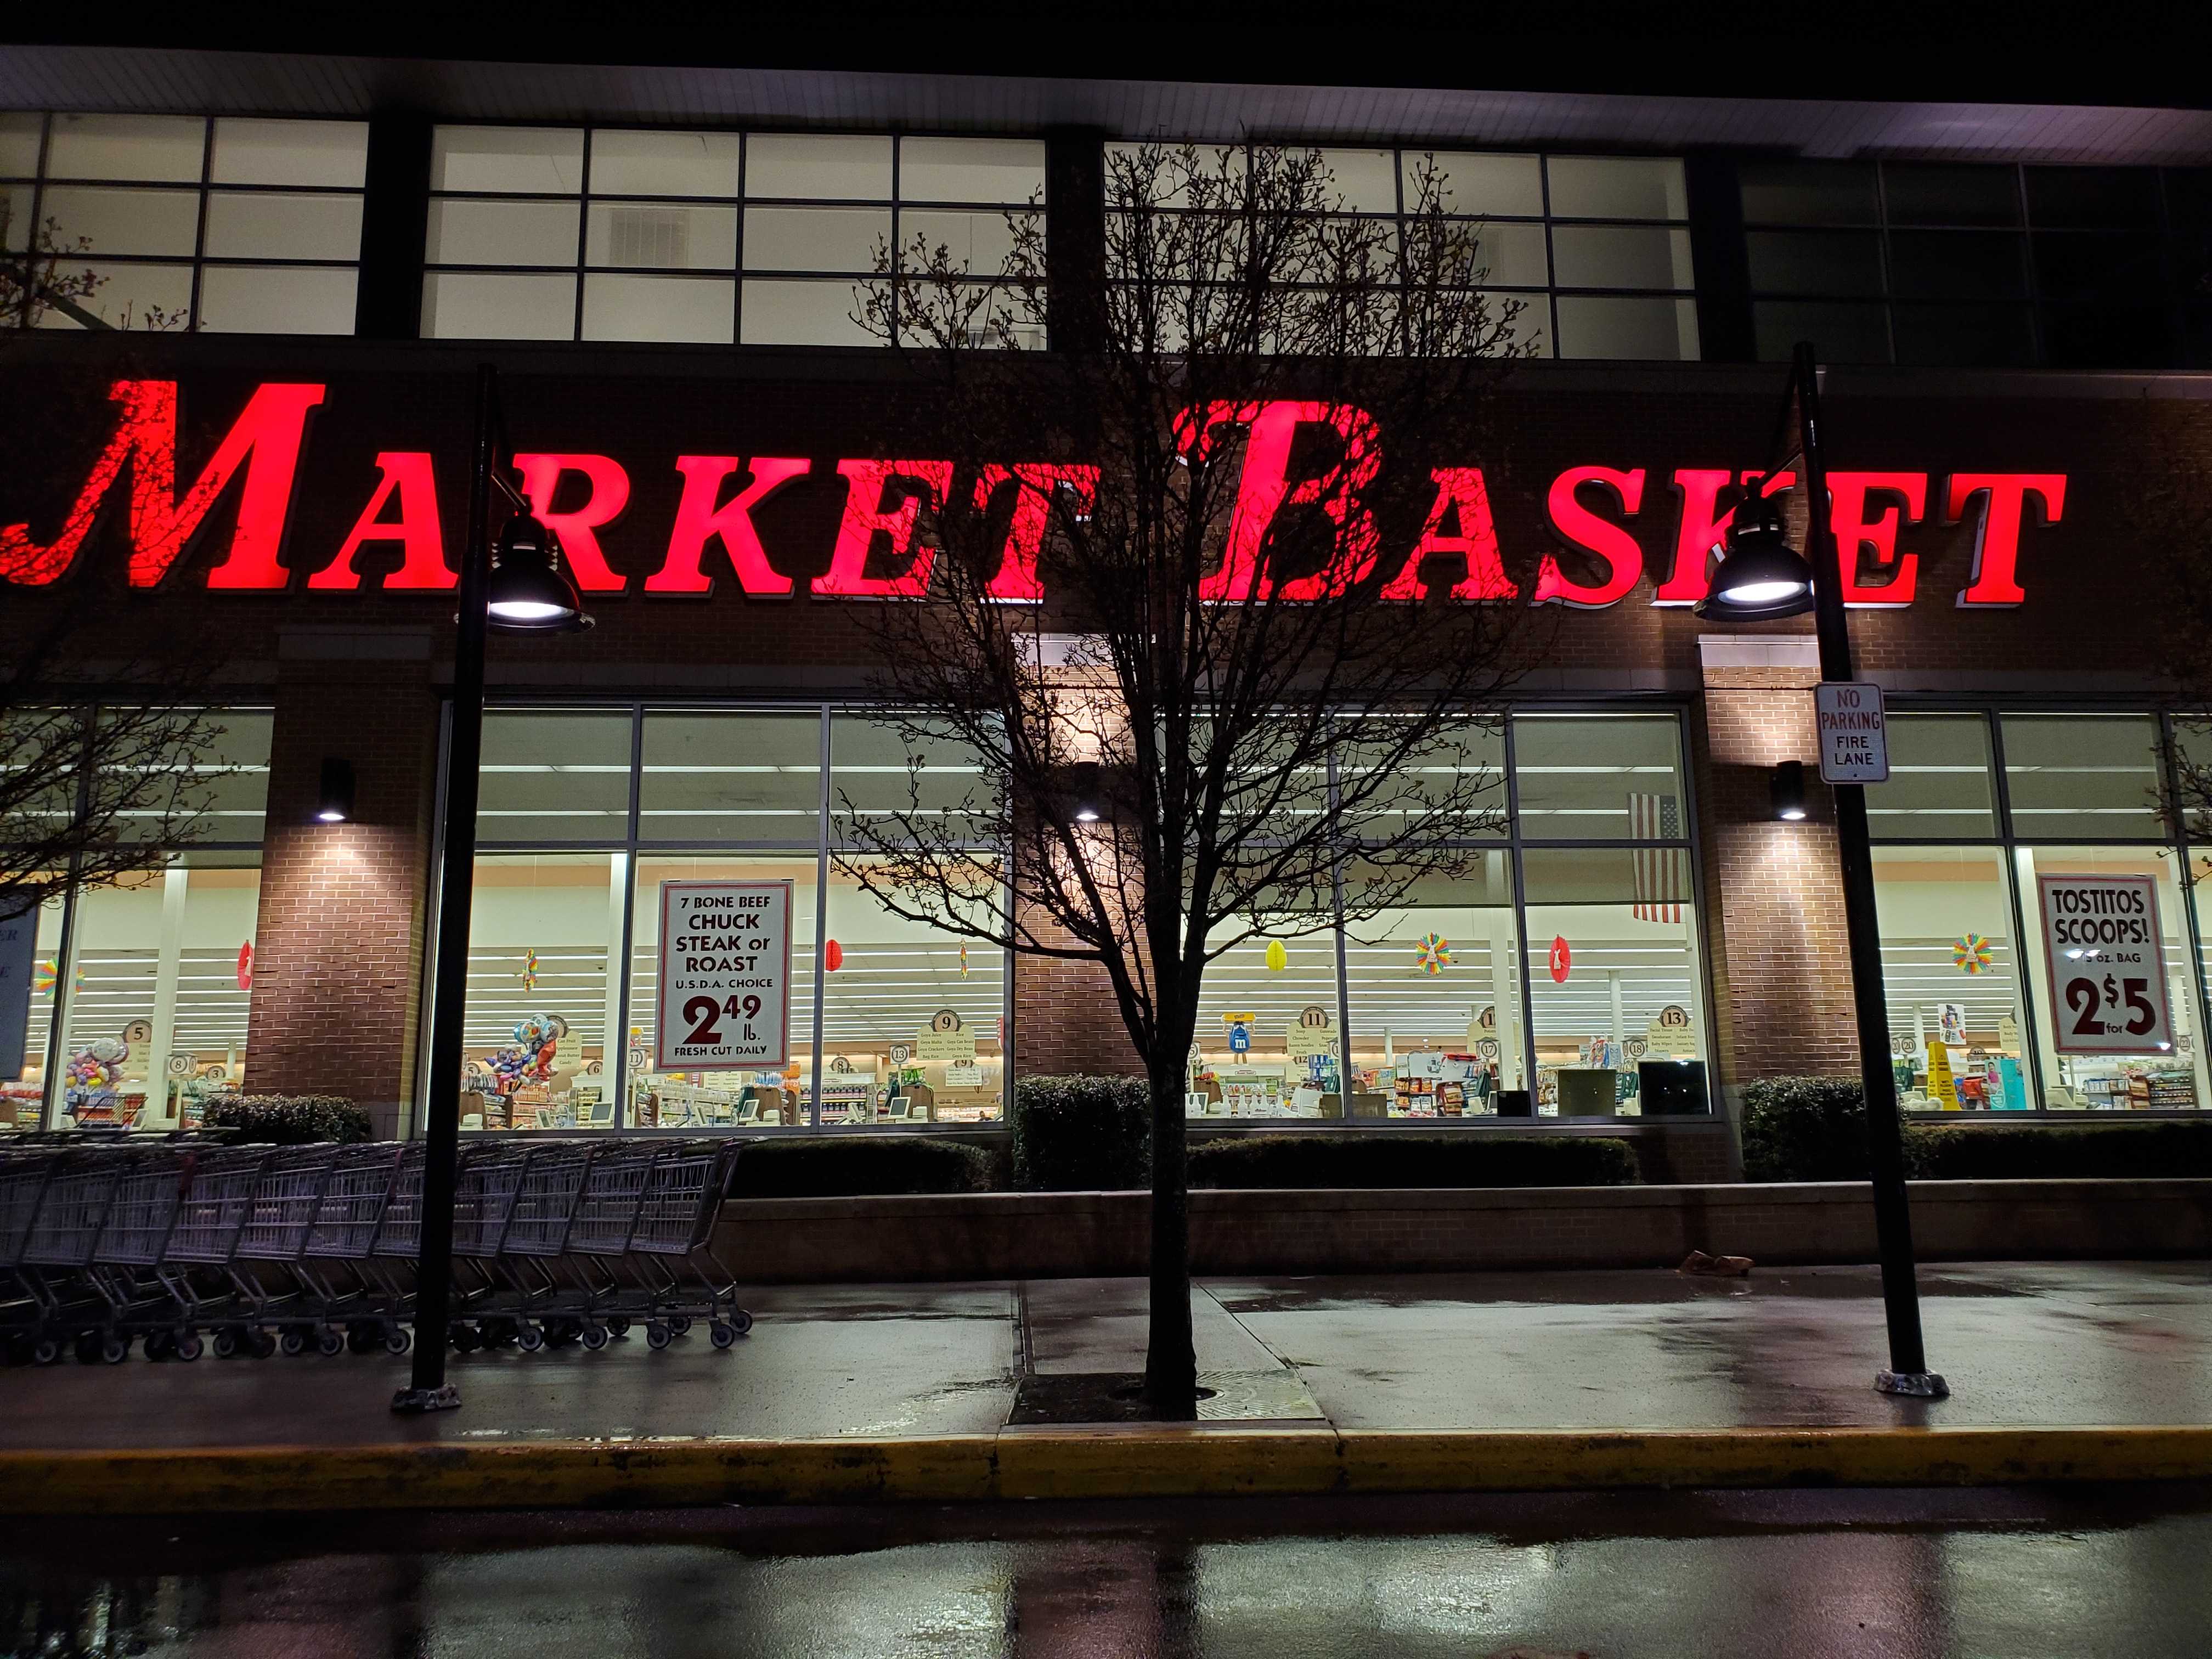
<point x="2010" y="1574"/>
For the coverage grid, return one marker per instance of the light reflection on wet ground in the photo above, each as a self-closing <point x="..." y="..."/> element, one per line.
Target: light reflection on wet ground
<point x="1804" y="1576"/>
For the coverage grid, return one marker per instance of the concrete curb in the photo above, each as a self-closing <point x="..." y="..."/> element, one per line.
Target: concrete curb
<point x="1120" y="1462"/>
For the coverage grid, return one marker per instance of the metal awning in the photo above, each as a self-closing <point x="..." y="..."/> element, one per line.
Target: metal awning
<point x="147" y="78"/>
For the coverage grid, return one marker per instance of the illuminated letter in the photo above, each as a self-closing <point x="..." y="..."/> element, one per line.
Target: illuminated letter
<point x="577" y="530"/>
<point x="423" y="567"/>
<point x="867" y="483"/>
<point x="1264" y="489"/>
<point x="698" y="521"/>
<point x="1584" y="529"/>
<point x="1460" y="488"/>
<point x="1996" y="540"/>
<point x="265" y="440"/>
<point x="1847" y="518"/>
<point x="1016" y="582"/>
<point x="1702" y="529"/>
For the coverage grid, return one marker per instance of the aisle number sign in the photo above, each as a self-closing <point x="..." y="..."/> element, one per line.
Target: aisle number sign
<point x="2107" y="955"/>
<point x="724" y="976"/>
<point x="1854" y="732"/>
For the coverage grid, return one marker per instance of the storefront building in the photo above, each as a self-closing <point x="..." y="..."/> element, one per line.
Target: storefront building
<point x="273" y="489"/>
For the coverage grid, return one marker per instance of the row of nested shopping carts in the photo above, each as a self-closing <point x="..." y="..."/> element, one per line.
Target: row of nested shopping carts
<point x="254" y="1249"/>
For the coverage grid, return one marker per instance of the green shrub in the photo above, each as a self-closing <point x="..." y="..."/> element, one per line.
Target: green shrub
<point x="1082" y="1133"/>
<point x="1385" y="1158"/>
<point x="288" y="1120"/>
<point x="2025" y="1151"/>
<point x="844" y="1166"/>
<point x="1804" y="1129"/>
<point x="1814" y="1128"/>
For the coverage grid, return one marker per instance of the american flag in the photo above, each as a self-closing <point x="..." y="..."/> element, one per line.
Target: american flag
<point x="1663" y="873"/>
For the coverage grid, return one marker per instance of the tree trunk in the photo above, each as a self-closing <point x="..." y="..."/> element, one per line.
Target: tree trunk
<point x="1170" y="1360"/>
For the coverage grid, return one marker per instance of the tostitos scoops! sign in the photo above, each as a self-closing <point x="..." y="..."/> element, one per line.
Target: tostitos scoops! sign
<point x="711" y="529"/>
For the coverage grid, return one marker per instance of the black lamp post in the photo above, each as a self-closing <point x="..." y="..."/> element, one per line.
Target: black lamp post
<point x="524" y="589"/>
<point x="1759" y="578"/>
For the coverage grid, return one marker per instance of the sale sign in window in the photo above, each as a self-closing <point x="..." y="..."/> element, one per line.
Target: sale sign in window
<point x="2107" y="955"/>
<point x="725" y="976"/>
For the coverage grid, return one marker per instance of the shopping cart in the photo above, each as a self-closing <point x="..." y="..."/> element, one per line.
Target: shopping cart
<point x="682" y="1196"/>
<point x="256" y="1249"/>
<point x="23" y="1179"/>
<point x="286" y="1303"/>
<point x="341" y="1239"/>
<point x="56" y="1261"/>
<point x="197" y="1265"/>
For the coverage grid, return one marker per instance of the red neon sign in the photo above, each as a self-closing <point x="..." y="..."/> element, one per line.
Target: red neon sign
<point x="1590" y="508"/>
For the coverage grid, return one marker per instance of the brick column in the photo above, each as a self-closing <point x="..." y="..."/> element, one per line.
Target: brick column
<point x="1066" y="1020"/>
<point x="337" y="956"/>
<point x="1781" y="968"/>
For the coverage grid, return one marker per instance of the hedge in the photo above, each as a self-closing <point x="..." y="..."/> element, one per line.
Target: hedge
<point x="1082" y="1133"/>
<point x="1804" y="1129"/>
<point x="1814" y="1128"/>
<point x="287" y="1119"/>
<point x="2019" y="1151"/>
<point x="844" y="1166"/>
<point x="1388" y="1159"/>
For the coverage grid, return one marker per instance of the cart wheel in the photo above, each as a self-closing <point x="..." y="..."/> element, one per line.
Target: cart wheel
<point x="464" y="1338"/>
<point x="529" y="1338"/>
<point x="740" y="1320"/>
<point x="594" y="1338"/>
<point x="260" y="1344"/>
<point x="721" y="1336"/>
<point x="45" y="1350"/>
<point x="656" y="1336"/>
<point x="494" y="1332"/>
<point x="114" y="1349"/>
<point x="88" y="1348"/>
<point x="160" y="1345"/>
<point x="679" y="1323"/>
<point x="358" y="1340"/>
<point x="18" y="1349"/>
<point x="188" y="1347"/>
<point x="225" y="1345"/>
<point x="330" y="1342"/>
<point x="397" y="1340"/>
<point x="294" y="1342"/>
<point x="618" y="1327"/>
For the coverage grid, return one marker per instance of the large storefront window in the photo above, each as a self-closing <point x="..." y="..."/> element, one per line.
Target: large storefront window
<point x="141" y="988"/>
<point x="542" y="929"/>
<point x="590" y="813"/>
<point x="1584" y="870"/>
<point x="1980" y="811"/>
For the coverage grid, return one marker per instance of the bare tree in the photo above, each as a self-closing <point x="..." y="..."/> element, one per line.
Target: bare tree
<point x="105" y="766"/>
<point x="1221" y="694"/>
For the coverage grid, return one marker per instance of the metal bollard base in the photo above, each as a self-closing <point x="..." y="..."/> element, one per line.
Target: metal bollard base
<point x="1920" y="1385"/>
<point x="415" y="1401"/>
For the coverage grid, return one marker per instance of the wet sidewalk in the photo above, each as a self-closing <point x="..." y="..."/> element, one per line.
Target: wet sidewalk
<point x="2023" y="1345"/>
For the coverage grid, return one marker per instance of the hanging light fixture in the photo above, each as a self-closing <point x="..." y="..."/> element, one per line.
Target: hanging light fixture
<point x="530" y="592"/>
<point x="1761" y="577"/>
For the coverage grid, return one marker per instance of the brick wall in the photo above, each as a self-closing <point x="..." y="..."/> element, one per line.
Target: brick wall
<point x="1780" y="962"/>
<point x="338" y="963"/>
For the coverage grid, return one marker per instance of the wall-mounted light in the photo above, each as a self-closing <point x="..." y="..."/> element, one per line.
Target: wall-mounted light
<point x="335" y="797"/>
<point x="1087" y="793"/>
<point x="1785" y="789"/>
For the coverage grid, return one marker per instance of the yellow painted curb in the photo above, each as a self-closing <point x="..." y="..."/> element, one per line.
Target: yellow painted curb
<point x="1121" y="1461"/>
